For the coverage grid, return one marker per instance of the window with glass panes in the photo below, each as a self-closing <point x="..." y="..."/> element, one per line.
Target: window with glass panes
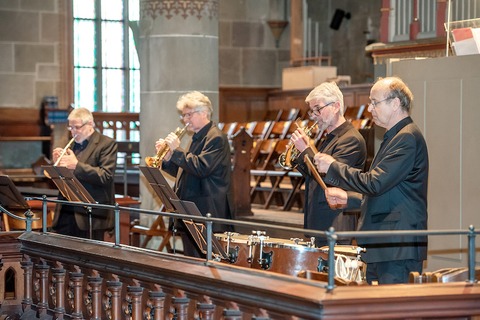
<point x="106" y="65"/>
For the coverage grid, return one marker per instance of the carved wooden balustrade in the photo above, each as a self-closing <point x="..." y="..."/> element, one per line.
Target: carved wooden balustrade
<point x="77" y="279"/>
<point x="72" y="278"/>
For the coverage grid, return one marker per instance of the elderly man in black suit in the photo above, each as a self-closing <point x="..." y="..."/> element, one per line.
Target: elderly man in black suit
<point x="93" y="160"/>
<point x="394" y="189"/>
<point x="343" y="142"/>
<point x="203" y="172"/>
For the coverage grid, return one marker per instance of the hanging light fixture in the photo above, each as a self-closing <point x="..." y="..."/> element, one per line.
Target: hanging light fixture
<point x="278" y="19"/>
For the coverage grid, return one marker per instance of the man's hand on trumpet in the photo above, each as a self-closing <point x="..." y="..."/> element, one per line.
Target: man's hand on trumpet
<point x="300" y="139"/>
<point x="172" y="141"/>
<point x="68" y="159"/>
<point x="323" y="162"/>
<point x="336" y="198"/>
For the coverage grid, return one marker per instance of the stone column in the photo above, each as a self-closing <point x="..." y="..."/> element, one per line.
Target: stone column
<point x="178" y="53"/>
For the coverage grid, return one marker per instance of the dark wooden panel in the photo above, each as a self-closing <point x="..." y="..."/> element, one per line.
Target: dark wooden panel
<point x="243" y="104"/>
<point x="20" y="122"/>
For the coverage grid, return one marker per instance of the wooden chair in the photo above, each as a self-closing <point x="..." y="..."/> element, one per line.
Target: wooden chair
<point x="261" y="130"/>
<point x="279" y="129"/>
<point x="291" y="114"/>
<point x="260" y="151"/>
<point x="36" y="207"/>
<point x="157" y="229"/>
<point x="229" y="128"/>
<point x="297" y="193"/>
<point x="267" y="179"/>
<point x="273" y="115"/>
<point x="276" y="174"/>
<point x="353" y="112"/>
<point x="260" y="154"/>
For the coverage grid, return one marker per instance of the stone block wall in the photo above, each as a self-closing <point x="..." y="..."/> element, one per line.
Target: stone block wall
<point x="248" y="56"/>
<point x="30" y="51"/>
<point x="34" y="63"/>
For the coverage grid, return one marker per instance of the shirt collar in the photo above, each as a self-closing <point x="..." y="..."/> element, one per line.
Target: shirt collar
<point x="202" y="132"/>
<point x="396" y="128"/>
<point x="340" y="129"/>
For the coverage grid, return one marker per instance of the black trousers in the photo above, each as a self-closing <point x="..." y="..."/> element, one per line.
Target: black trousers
<point x="389" y="272"/>
<point x="68" y="226"/>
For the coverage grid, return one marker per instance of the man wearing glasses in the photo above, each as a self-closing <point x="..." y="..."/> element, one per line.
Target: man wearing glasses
<point x="394" y="189"/>
<point x="343" y="142"/>
<point x="202" y="172"/>
<point x="93" y="159"/>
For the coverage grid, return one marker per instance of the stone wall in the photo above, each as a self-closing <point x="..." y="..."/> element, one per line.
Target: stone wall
<point x="346" y="45"/>
<point x="248" y="56"/>
<point x="33" y="64"/>
<point x="30" y="52"/>
<point x="33" y="56"/>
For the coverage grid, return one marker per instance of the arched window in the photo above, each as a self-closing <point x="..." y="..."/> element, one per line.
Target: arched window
<point x="10" y="279"/>
<point x="106" y="65"/>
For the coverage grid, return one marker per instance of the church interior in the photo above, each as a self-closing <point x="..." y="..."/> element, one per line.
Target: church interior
<point x="257" y="61"/>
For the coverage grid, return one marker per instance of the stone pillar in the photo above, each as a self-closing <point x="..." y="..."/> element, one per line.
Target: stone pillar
<point x="178" y="54"/>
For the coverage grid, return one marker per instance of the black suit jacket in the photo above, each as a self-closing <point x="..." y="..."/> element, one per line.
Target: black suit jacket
<point x="204" y="172"/>
<point x="395" y="194"/>
<point x="346" y="145"/>
<point x="95" y="171"/>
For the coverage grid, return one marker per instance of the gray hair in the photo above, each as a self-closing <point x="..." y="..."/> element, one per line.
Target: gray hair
<point x="195" y="100"/>
<point x="83" y="114"/>
<point x="329" y="92"/>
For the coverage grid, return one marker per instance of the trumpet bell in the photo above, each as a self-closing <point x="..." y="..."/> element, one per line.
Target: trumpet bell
<point x="156" y="160"/>
<point x="152" y="162"/>
<point x="287" y="159"/>
<point x="284" y="161"/>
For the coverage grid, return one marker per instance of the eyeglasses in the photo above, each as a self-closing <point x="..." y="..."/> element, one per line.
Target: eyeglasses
<point x="76" y="128"/>
<point x="317" y="109"/>
<point x="374" y="104"/>
<point x="188" y="114"/>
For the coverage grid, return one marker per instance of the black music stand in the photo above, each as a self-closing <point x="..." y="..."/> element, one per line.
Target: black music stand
<point x="160" y="185"/>
<point x="11" y="198"/>
<point x="173" y="204"/>
<point x="198" y="230"/>
<point x="71" y="189"/>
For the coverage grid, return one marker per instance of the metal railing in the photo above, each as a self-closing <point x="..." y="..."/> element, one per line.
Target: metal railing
<point x="331" y="235"/>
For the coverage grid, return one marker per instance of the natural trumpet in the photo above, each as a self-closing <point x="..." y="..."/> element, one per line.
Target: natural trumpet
<point x="156" y="161"/>
<point x="287" y="158"/>
<point x="64" y="150"/>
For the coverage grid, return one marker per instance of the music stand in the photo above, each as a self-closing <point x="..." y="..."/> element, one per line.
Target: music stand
<point x="160" y="185"/>
<point x="198" y="230"/>
<point x="71" y="188"/>
<point x="173" y="204"/>
<point x="10" y="197"/>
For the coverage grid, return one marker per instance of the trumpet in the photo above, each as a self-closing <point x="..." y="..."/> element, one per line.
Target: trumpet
<point x="287" y="158"/>
<point x="64" y="150"/>
<point x="156" y="161"/>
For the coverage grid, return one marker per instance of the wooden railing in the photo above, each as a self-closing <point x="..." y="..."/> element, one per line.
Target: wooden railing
<point x="71" y="278"/>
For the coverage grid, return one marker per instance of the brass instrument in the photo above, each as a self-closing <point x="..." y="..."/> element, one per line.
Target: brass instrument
<point x="64" y="150"/>
<point x="286" y="159"/>
<point x="156" y="161"/>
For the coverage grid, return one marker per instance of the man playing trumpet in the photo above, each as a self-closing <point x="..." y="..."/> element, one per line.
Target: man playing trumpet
<point x="394" y="188"/>
<point x="93" y="159"/>
<point x="202" y="172"/>
<point x="343" y="142"/>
